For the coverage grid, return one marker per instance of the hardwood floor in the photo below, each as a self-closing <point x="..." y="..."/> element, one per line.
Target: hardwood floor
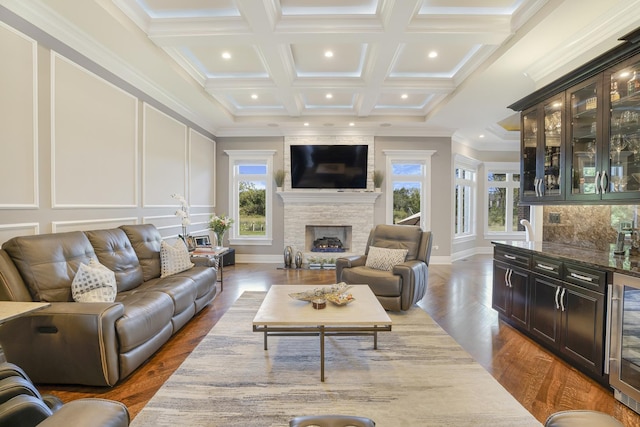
<point x="458" y="298"/>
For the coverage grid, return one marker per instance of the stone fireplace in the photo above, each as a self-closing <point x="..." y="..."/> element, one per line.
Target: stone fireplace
<point x="309" y="215"/>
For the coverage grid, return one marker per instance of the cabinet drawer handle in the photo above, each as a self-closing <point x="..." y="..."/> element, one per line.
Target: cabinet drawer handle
<point x="581" y="277"/>
<point x="557" y="303"/>
<point x="511" y="257"/>
<point x="546" y="267"/>
<point x="562" y="298"/>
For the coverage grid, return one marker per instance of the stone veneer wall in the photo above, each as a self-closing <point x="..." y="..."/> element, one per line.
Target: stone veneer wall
<point x="297" y="216"/>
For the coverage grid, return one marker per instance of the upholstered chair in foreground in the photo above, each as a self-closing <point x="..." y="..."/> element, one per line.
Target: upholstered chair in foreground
<point x="395" y="265"/>
<point x="331" y="421"/>
<point x="21" y="405"/>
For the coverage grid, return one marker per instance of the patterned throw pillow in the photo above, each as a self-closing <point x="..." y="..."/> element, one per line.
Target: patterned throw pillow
<point x="174" y="258"/>
<point x="385" y="259"/>
<point x="94" y="283"/>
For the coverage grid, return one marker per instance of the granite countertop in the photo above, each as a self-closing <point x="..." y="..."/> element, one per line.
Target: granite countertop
<point x="624" y="264"/>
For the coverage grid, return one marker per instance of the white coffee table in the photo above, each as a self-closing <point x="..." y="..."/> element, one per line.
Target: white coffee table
<point x="280" y="314"/>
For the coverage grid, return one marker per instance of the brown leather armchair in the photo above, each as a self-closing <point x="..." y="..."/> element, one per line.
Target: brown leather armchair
<point x="21" y="405"/>
<point x="406" y="283"/>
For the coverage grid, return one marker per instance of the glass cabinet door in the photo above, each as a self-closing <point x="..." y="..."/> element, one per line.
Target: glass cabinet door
<point x="529" y="154"/>
<point x="551" y="145"/>
<point x="585" y="106"/>
<point x="624" y="132"/>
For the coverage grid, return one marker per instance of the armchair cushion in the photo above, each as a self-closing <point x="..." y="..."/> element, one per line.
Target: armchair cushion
<point x="385" y="259"/>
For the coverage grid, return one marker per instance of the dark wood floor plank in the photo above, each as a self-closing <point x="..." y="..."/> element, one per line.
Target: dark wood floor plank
<point x="458" y="298"/>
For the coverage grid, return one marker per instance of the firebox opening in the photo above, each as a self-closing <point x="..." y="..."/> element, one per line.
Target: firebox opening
<point x="323" y="238"/>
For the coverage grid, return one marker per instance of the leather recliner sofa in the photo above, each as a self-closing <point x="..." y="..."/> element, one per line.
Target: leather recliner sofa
<point x="94" y="343"/>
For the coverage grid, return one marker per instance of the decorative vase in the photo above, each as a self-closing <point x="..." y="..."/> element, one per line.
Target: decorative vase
<point x="288" y="256"/>
<point x="298" y="259"/>
<point x="218" y="239"/>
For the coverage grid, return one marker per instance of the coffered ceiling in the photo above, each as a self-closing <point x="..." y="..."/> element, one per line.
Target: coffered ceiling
<point x="382" y="67"/>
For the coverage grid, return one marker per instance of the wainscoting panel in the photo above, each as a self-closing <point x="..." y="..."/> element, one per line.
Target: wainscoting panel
<point x="18" y="131"/>
<point x="202" y="161"/>
<point x="93" y="224"/>
<point x="8" y="231"/>
<point x="94" y="139"/>
<point x="164" y="158"/>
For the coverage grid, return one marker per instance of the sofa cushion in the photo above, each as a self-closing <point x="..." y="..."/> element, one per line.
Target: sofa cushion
<point x="384" y="258"/>
<point x="49" y="262"/>
<point x="94" y="283"/>
<point x="181" y="290"/>
<point x="115" y="252"/>
<point x="145" y="315"/>
<point x="145" y="240"/>
<point x="174" y="258"/>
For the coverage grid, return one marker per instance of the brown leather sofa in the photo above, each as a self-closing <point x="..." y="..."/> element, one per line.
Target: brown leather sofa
<point x="94" y="343"/>
<point x="406" y="283"/>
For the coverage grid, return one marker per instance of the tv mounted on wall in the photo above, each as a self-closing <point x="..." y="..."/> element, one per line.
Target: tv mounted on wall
<point x="329" y="166"/>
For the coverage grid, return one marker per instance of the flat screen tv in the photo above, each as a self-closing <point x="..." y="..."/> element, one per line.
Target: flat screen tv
<point x="329" y="166"/>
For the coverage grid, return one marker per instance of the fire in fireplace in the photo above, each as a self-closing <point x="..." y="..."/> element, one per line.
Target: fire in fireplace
<point x="327" y="244"/>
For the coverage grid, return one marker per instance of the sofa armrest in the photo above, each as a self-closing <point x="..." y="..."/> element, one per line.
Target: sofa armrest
<point x="66" y="343"/>
<point x="412" y="272"/>
<point x="89" y="413"/>
<point x="348" y="262"/>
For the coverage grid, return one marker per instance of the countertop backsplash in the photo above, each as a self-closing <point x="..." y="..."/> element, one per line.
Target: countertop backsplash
<point x="585" y="226"/>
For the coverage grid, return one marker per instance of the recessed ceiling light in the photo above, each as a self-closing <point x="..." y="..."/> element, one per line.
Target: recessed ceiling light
<point x="226" y="55"/>
<point x="329" y="96"/>
<point x="481" y="136"/>
<point x="254" y="96"/>
<point x="404" y="96"/>
<point x="351" y="124"/>
<point x="433" y="54"/>
<point x="306" y="123"/>
<point x="328" y="54"/>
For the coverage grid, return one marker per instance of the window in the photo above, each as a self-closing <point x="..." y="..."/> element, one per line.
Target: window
<point x="502" y="201"/>
<point x="408" y="188"/>
<point x="465" y="189"/>
<point x="250" y="178"/>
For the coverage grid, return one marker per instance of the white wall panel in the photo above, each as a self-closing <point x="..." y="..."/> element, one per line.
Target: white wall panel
<point x="94" y="139"/>
<point x="93" y="224"/>
<point x="8" y="231"/>
<point x="202" y="160"/>
<point x="18" y="120"/>
<point x="164" y="158"/>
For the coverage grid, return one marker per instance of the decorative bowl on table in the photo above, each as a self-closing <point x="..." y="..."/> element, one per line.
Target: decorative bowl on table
<point x="340" y="299"/>
<point x="310" y="295"/>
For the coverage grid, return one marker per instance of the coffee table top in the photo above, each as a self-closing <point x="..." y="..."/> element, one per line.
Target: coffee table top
<point x="278" y="308"/>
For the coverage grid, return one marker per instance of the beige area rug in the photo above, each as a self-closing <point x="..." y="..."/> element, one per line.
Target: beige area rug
<point x="419" y="376"/>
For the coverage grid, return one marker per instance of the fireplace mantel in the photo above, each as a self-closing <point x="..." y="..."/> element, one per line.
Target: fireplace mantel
<point x="351" y="197"/>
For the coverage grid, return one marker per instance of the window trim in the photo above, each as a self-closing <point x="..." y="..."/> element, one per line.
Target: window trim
<point x="463" y="162"/>
<point x="237" y="157"/>
<point x="410" y="156"/>
<point x="508" y="168"/>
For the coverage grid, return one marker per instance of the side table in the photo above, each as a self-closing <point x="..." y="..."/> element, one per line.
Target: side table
<point x="211" y="257"/>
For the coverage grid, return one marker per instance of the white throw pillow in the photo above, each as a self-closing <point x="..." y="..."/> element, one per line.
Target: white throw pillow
<point x="174" y="258"/>
<point x="385" y="259"/>
<point x="94" y="283"/>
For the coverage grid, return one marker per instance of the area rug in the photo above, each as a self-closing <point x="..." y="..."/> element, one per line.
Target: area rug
<point x="418" y="376"/>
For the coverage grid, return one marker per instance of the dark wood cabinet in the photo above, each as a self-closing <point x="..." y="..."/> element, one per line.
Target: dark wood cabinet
<point x="511" y="293"/>
<point x="559" y="304"/>
<point x="580" y="135"/>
